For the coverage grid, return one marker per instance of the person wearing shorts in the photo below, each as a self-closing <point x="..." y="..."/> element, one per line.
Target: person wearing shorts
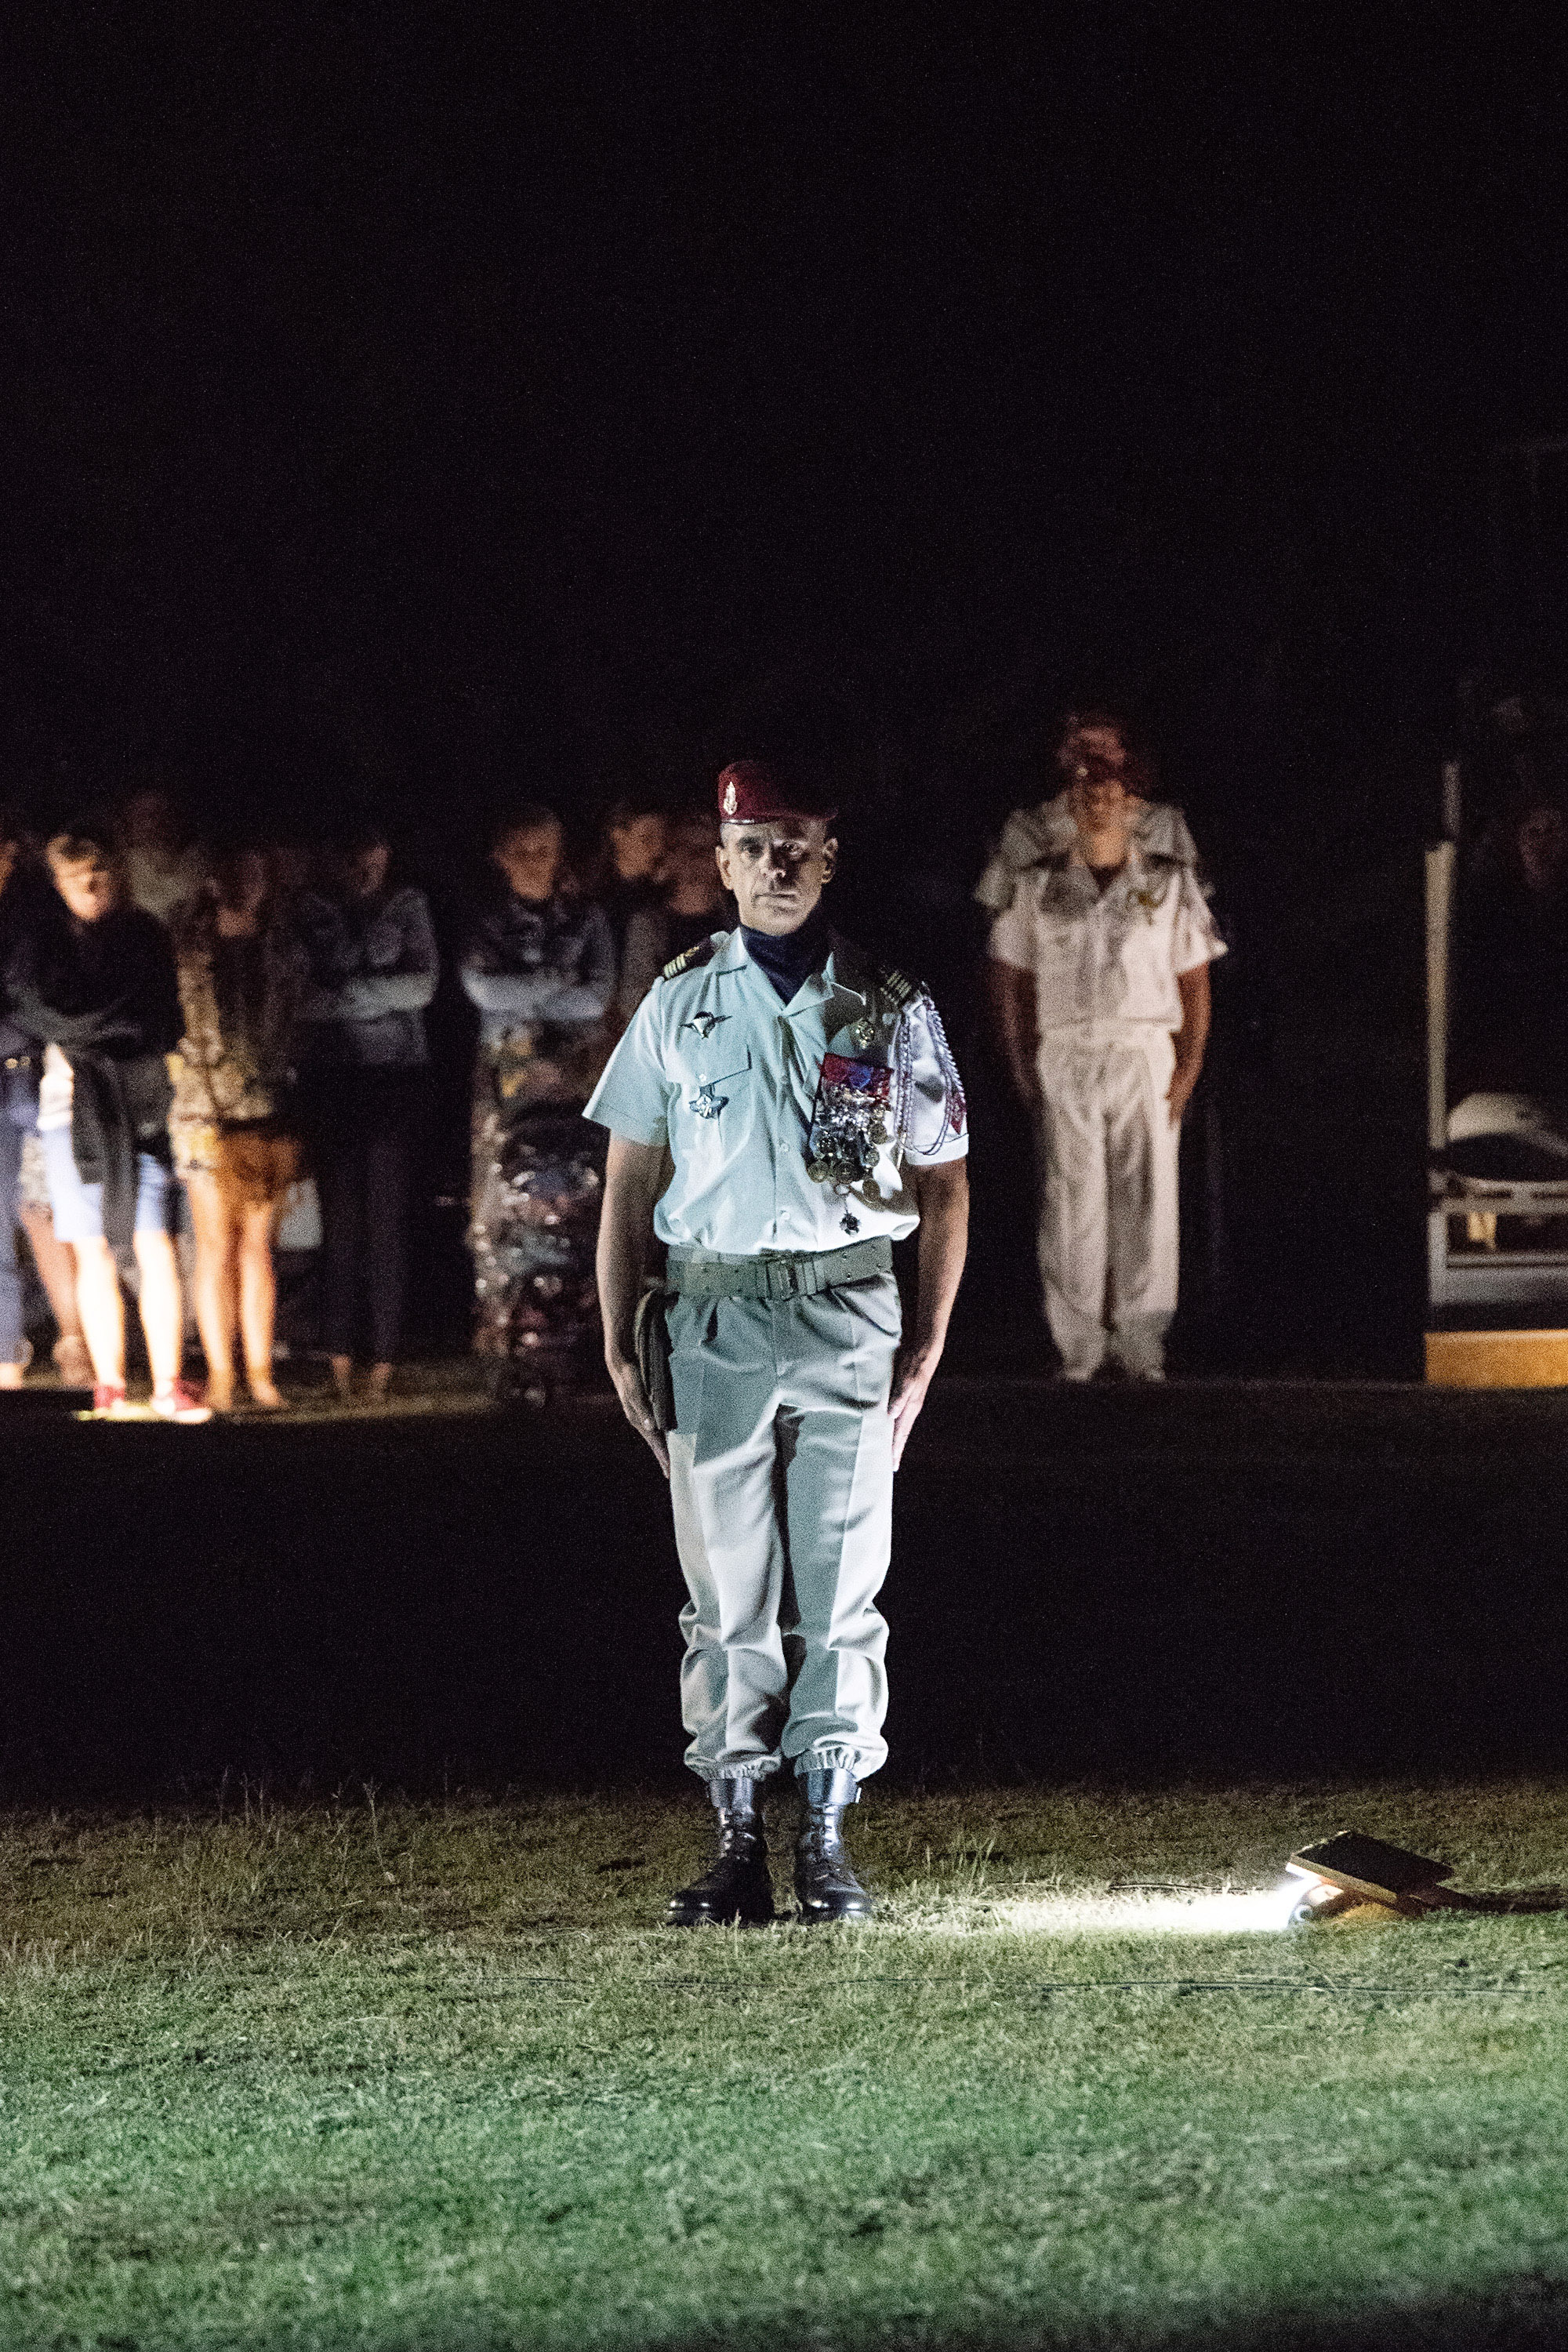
<point x="94" y="982"/>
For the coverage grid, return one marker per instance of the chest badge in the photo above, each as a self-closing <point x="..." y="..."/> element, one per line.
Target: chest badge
<point x="705" y="1024"/>
<point x="1149" y="900"/>
<point x="705" y="1103"/>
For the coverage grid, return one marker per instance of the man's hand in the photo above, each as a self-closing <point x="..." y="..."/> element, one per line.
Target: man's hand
<point x="941" y="1195"/>
<point x="633" y="1174"/>
<point x="624" y="1372"/>
<point x="912" y="1378"/>
<point x="1190" y="1039"/>
<point x="1015" y="1012"/>
<point x="1179" y="1093"/>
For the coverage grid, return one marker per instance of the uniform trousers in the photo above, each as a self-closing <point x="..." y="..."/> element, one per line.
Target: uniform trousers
<point x="782" y="1482"/>
<point x="1110" y="1224"/>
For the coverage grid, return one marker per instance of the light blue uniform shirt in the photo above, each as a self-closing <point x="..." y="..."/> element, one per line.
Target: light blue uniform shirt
<point x="718" y="1069"/>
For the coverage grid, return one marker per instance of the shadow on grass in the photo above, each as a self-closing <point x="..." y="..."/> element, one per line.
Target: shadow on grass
<point x="1528" y="2314"/>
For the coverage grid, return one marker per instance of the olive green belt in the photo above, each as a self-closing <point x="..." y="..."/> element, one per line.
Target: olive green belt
<point x="783" y="1276"/>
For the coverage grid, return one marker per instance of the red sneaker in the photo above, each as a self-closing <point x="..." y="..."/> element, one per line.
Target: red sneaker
<point x="109" y="1404"/>
<point x="178" y="1402"/>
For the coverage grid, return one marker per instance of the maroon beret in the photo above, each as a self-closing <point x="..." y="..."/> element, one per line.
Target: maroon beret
<point x="751" y="791"/>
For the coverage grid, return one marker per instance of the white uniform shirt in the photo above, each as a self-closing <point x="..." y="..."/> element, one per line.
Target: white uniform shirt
<point x="1159" y="829"/>
<point x="1107" y="958"/>
<point x="716" y="1065"/>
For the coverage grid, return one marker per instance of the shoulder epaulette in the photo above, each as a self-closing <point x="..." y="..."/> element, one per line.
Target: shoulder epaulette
<point x="689" y="962"/>
<point x="896" y="986"/>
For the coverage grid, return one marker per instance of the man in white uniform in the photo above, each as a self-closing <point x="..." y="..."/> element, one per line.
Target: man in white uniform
<point x="814" y="1117"/>
<point x="1099" y="979"/>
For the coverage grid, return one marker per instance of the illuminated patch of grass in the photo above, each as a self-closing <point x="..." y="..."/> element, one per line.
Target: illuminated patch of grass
<point x="430" y="2076"/>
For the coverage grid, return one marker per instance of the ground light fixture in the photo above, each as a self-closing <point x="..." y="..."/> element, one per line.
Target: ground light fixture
<point x="1351" y="1872"/>
<point x="1356" y="1880"/>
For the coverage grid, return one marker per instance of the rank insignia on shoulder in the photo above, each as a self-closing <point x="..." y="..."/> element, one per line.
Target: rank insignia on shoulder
<point x="702" y="953"/>
<point x="896" y="987"/>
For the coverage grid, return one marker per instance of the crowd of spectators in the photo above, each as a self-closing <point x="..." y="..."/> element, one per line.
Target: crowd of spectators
<point x="207" y="1040"/>
<point x="216" y="1048"/>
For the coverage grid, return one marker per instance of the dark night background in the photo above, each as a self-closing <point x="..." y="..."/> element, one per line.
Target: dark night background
<point x="404" y="402"/>
<point x="418" y="409"/>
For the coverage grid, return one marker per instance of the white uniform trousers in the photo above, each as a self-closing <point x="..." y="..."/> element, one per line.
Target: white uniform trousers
<point x="780" y="1469"/>
<point x="1108" y="1234"/>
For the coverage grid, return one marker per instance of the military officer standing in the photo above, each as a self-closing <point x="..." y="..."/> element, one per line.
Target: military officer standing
<point x="1099" y="977"/>
<point x="814" y="1115"/>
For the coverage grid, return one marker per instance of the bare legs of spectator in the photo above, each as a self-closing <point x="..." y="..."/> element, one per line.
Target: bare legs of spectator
<point x="235" y="1290"/>
<point x="102" y="1309"/>
<point x="57" y="1272"/>
<point x="258" y="1299"/>
<point x="13" y="1339"/>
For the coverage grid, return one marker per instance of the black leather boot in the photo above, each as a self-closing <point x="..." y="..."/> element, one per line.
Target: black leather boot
<point x="823" y="1880"/>
<point x="738" y="1886"/>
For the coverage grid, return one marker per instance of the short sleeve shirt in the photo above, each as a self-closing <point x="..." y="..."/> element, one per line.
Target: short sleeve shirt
<point x="1159" y="830"/>
<point x="1106" y="957"/>
<point x="716" y="1066"/>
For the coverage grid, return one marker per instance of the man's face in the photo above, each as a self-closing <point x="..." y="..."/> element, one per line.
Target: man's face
<point x="88" y="884"/>
<point x="1098" y="799"/>
<point x="777" y="871"/>
<point x="1543" y="847"/>
<point x="246" y="882"/>
<point x="689" y="862"/>
<point x="148" y="822"/>
<point x="637" y="848"/>
<point x="1093" y="758"/>
<point x="530" y="857"/>
<point x="363" y="871"/>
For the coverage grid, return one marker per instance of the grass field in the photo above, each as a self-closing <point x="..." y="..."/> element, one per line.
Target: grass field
<point x="396" y="2076"/>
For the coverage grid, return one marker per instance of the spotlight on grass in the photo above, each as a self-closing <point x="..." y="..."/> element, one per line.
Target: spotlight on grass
<point x="1350" y="1878"/>
<point x="1219" y="1911"/>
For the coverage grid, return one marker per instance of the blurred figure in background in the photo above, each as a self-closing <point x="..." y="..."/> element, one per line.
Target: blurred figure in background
<point x="1099" y="985"/>
<point x="625" y="876"/>
<point x="241" y="970"/>
<point x="23" y="1186"/>
<point x="691" y="905"/>
<point x="19" y="1065"/>
<point x="93" y="980"/>
<point x="541" y="967"/>
<point x="162" y="865"/>
<point x="363" y="1077"/>
<point x="1510" y="957"/>
<point x="1050" y="829"/>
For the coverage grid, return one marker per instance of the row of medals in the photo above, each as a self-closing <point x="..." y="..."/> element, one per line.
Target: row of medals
<point x="849" y="1139"/>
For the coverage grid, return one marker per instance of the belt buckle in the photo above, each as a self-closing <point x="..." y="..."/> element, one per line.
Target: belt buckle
<point x="780" y="1276"/>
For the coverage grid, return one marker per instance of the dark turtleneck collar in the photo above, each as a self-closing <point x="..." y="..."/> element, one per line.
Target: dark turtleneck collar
<point x="788" y="961"/>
